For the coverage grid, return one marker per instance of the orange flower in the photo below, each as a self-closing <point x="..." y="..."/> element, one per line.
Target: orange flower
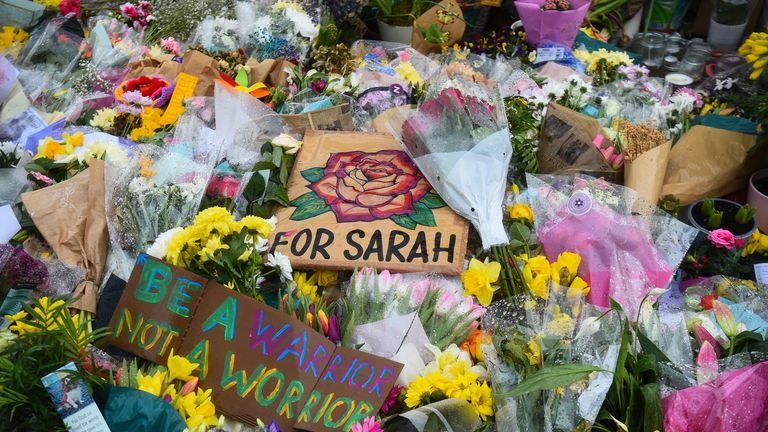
<point x="473" y="344"/>
<point x="145" y="169"/>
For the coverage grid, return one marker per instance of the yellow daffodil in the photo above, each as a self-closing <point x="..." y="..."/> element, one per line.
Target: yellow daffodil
<point x="534" y="351"/>
<point x="579" y="289"/>
<point x="521" y="211"/>
<point x="180" y="368"/>
<point x="326" y="277"/>
<point x="306" y="287"/>
<point x="152" y="384"/>
<point x="565" y="268"/>
<point x="72" y="141"/>
<point x="478" y="278"/>
<point x="49" y="149"/>
<point x="537" y="273"/>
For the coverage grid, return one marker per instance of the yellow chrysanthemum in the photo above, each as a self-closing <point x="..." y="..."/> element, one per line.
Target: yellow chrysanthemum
<point x="481" y="400"/>
<point x="211" y="246"/>
<point x="560" y="325"/>
<point x="215" y="218"/>
<point x="409" y="73"/>
<point x="477" y="280"/>
<point x="257" y="225"/>
<point x="418" y="391"/>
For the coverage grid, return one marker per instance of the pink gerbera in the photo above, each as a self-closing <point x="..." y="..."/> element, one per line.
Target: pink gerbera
<point x="369" y="424"/>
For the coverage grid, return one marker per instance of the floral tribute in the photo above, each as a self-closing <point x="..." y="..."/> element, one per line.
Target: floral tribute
<point x="362" y="187"/>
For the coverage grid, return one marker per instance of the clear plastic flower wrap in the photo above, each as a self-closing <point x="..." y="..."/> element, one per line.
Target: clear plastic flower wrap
<point x="446" y="415"/>
<point x="628" y="246"/>
<point x="217" y="34"/>
<point x="459" y="139"/>
<point x="446" y="314"/>
<point x="159" y="189"/>
<point x="53" y="49"/>
<point x="559" y="332"/>
<point x="380" y="56"/>
<point x="284" y="31"/>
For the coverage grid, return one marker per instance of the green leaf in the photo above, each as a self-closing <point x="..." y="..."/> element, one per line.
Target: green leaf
<point x="313" y="175"/>
<point x="423" y="215"/>
<point x="433" y="200"/>
<point x="551" y="377"/>
<point x="652" y="420"/>
<point x="519" y="232"/>
<point x="242" y="77"/>
<point x="650" y="348"/>
<point x="254" y="190"/>
<point x="404" y="221"/>
<point x="277" y="156"/>
<point x="310" y="207"/>
<point x="263" y="165"/>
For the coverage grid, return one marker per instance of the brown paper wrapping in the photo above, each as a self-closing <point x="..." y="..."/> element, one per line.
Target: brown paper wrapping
<point x="708" y="162"/>
<point x="335" y="118"/>
<point x="646" y="174"/>
<point x="566" y="145"/>
<point x="70" y="216"/>
<point x="448" y="17"/>
<point x="270" y="72"/>
<point x="195" y="63"/>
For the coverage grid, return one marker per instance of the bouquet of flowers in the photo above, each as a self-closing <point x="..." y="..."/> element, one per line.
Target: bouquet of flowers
<point x="12" y="176"/>
<point x="623" y="254"/>
<point x="158" y="189"/>
<point x="218" y="247"/>
<point x="285" y="32"/>
<point x="551" y="361"/>
<point x="459" y="139"/>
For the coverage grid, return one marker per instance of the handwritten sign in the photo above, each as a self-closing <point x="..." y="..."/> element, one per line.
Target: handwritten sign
<point x="185" y="88"/>
<point x="359" y="199"/>
<point x="259" y="362"/>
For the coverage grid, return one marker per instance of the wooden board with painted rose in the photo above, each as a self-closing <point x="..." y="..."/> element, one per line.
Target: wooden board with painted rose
<point x="353" y="207"/>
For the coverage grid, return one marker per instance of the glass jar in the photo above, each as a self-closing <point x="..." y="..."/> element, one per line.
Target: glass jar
<point x="675" y="47"/>
<point x="694" y="61"/>
<point x="671" y="63"/>
<point x="652" y="47"/>
<point x="728" y="62"/>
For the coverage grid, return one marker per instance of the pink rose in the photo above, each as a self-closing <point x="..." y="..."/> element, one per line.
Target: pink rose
<point x="223" y="186"/>
<point x="722" y="238"/>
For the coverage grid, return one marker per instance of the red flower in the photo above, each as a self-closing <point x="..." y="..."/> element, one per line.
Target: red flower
<point x="706" y="301"/>
<point x="363" y="186"/>
<point x="223" y="186"/>
<point x="69" y="6"/>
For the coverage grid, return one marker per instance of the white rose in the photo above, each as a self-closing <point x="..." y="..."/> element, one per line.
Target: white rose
<point x="287" y="142"/>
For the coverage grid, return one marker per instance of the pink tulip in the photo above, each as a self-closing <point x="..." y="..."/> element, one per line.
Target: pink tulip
<point x="189" y="386"/>
<point x="323" y="318"/>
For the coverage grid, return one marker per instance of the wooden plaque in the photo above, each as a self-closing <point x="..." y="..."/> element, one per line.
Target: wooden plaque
<point x="358" y="199"/>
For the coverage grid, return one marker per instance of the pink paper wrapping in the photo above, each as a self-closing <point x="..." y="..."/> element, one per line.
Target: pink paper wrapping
<point x="551" y="27"/>
<point x="618" y="257"/>
<point x="736" y="401"/>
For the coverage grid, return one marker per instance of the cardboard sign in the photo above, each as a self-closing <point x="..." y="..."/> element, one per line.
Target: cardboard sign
<point x="259" y="363"/>
<point x="566" y="146"/>
<point x="358" y="199"/>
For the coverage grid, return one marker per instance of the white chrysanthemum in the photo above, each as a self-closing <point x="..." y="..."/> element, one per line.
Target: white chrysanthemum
<point x="280" y="261"/>
<point x="160" y="246"/>
<point x="302" y="23"/>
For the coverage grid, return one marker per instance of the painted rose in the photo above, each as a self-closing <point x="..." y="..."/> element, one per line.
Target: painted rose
<point x="722" y="239"/>
<point x="361" y="186"/>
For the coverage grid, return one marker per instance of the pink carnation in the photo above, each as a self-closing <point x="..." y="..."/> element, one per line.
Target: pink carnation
<point x="129" y="11"/>
<point x="722" y="239"/>
<point x="171" y="45"/>
<point x="67" y="7"/>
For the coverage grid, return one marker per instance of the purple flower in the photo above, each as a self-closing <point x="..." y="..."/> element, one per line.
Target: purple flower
<point x="334" y="332"/>
<point x="318" y="85"/>
<point x="165" y="96"/>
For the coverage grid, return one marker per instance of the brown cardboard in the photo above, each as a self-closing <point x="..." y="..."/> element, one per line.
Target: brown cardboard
<point x="259" y="363"/>
<point x="194" y="63"/>
<point x="646" y="173"/>
<point x="71" y="217"/>
<point x="566" y="147"/>
<point x="336" y="118"/>
<point x="342" y="235"/>
<point x="448" y="17"/>
<point x="709" y="162"/>
<point x="270" y="72"/>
